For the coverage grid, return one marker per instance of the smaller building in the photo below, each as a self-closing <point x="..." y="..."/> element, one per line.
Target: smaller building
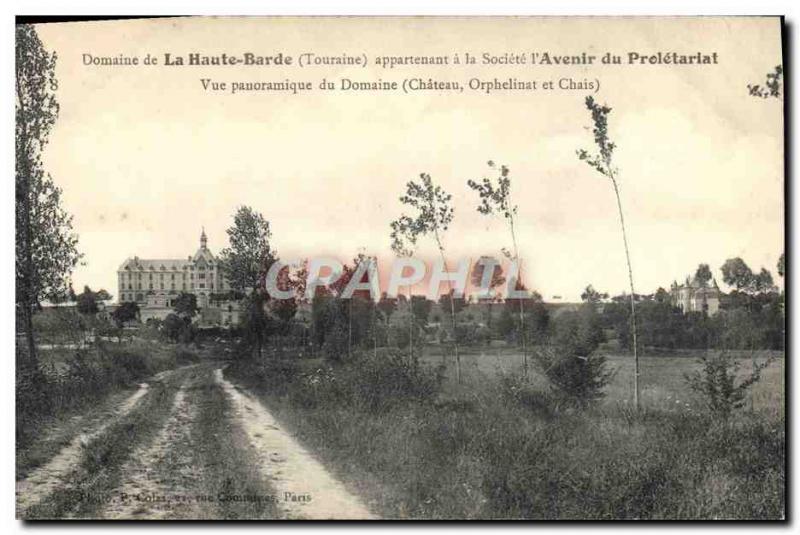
<point x="224" y="312"/>
<point x="692" y="296"/>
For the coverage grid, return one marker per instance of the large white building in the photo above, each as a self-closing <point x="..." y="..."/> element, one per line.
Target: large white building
<point x="154" y="283"/>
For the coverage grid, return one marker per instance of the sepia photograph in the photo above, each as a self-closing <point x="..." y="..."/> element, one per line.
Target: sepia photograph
<point x="372" y="268"/>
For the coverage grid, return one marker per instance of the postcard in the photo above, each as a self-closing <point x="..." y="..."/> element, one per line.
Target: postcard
<point x="400" y="268"/>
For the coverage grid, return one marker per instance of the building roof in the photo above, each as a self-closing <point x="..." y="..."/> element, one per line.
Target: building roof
<point x="171" y="264"/>
<point x="157" y="264"/>
<point x="693" y="285"/>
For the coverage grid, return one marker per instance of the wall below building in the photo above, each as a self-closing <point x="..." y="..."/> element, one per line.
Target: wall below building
<point x="159" y="313"/>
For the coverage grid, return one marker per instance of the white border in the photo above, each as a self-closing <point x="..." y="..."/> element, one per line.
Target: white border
<point x="321" y="7"/>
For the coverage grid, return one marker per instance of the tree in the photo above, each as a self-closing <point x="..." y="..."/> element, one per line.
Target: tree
<point x="590" y="295"/>
<point x="421" y="308"/>
<point x="87" y="302"/>
<point x="772" y="86"/>
<point x="495" y="198"/>
<point x="286" y="309"/>
<point x="126" y="312"/>
<point x="249" y="254"/>
<point x="569" y="362"/>
<point x="535" y="314"/>
<point x="661" y="296"/>
<point x="360" y="303"/>
<point x="447" y="301"/>
<point x="763" y="283"/>
<point x="736" y="273"/>
<point x="387" y="305"/>
<point x="781" y="265"/>
<point x="602" y="162"/>
<point x="177" y="328"/>
<point x="433" y="217"/>
<point x="703" y="275"/>
<point x="719" y="384"/>
<point x="320" y="313"/>
<point x="185" y="305"/>
<point x="46" y="248"/>
<point x="245" y="263"/>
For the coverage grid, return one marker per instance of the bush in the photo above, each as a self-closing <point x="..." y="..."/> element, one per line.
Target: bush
<point x="717" y="382"/>
<point x="569" y="360"/>
<point x="178" y="329"/>
<point x="576" y="378"/>
<point x="125" y="365"/>
<point x="377" y="383"/>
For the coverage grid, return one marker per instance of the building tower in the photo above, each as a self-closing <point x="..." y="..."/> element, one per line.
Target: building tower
<point x="203" y="239"/>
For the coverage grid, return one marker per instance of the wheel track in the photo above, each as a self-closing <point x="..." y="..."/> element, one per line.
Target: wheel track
<point x="42" y="481"/>
<point x="156" y="469"/>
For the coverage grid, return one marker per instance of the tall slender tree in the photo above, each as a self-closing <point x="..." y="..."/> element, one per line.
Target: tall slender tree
<point x="246" y="262"/>
<point x="495" y="198"/>
<point x="434" y="215"/>
<point x="46" y="247"/>
<point x="602" y="162"/>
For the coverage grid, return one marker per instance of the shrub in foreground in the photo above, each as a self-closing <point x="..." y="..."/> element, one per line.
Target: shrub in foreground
<point x="718" y="384"/>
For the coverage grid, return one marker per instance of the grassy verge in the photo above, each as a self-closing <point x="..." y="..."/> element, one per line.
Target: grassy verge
<point x="488" y="454"/>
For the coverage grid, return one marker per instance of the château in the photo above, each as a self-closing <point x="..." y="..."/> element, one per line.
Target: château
<point x="154" y="284"/>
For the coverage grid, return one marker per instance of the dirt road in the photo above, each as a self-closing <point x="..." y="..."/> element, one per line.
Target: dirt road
<point x="189" y="444"/>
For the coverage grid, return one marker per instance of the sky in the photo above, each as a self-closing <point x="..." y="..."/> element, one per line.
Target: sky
<point x="146" y="157"/>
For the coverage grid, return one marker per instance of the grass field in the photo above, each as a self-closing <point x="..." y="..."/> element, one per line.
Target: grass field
<point x="662" y="385"/>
